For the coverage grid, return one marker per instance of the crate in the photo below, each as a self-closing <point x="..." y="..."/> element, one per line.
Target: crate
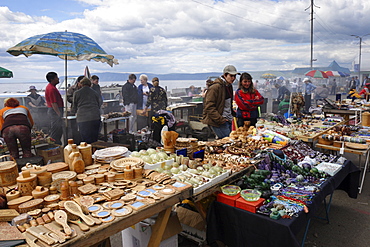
<point x="248" y="205"/>
<point x="125" y="138"/>
<point x="229" y="200"/>
<point x="51" y="152"/>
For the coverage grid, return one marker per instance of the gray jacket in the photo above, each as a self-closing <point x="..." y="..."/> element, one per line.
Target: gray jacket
<point x="86" y="104"/>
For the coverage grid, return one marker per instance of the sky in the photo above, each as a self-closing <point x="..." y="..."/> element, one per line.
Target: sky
<point x="188" y="36"/>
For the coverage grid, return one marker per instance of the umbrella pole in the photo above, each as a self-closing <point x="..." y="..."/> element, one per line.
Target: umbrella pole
<point x="65" y="102"/>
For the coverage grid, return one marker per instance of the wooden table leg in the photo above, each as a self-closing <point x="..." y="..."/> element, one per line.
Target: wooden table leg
<point x="105" y="132"/>
<point x="159" y="227"/>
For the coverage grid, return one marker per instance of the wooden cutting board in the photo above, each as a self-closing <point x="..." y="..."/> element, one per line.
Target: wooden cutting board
<point x="8" y="232"/>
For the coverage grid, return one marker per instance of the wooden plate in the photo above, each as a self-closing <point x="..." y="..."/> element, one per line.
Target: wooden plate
<point x="67" y="175"/>
<point x="356" y="146"/>
<point x="57" y="167"/>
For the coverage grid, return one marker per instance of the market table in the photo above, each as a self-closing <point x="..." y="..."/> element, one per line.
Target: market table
<point x="237" y="227"/>
<point x="345" y="113"/>
<point x="116" y="121"/>
<point x="360" y="153"/>
<point x="101" y="232"/>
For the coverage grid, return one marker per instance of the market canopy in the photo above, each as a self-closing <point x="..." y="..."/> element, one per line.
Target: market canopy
<point x="5" y="73"/>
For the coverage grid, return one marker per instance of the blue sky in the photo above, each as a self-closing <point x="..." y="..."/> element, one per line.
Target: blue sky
<point x="188" y="36"/>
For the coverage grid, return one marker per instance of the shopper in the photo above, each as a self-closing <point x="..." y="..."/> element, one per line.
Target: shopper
<point x="86" y="104"/>
<point x="143" y="91"/>
<point x="16" y="123"/>
<point x="217" y="111"/>
<point x="308" y="90"/>
<point x="130" y="100"/>
<point x="247" y="98"/>
<point x="157" y="98"/>
<point x="54" y="103"/>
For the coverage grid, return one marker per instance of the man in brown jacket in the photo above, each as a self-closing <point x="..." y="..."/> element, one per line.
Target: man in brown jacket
<point x="217" y="108"/>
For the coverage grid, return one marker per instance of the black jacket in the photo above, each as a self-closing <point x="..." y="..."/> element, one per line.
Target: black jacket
<point x="129" y="93"/>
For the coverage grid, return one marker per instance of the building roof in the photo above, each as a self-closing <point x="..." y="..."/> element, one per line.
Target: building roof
<point x="334" y="66"/>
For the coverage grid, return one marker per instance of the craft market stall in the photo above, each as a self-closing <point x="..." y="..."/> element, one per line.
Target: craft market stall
<point x="261" y="175"/>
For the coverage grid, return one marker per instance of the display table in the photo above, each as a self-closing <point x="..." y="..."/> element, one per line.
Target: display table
<point x="360" y="153"/>
<point x="237" y="227"/>
<point x="116" y="121"/>
<point x="101" y="232"/>
<point x="345" y="113"/>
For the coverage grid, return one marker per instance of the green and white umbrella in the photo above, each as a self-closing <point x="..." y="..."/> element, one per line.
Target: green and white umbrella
<point x="5" y="73"/>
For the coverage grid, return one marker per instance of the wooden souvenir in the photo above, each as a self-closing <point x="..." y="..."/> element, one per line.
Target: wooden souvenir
<point x="50" y="199"/>
<point x="137" y="205"/>
<point x="57" y="184"/>
<point x="116" y="205"/>
<point x="104" y="189"/>
<point x="45" y="210"/>
<point x="52" y="206"/>
<point x="51" y="215"/>
<point x="168" y="191"/>
<point x="46" y="218"/>
<point x="40" y="221"/>
<point x="12" y="195"/>
<point x="66" y="175"/>
<point x="89" y="180"/>
<point x="108" y="219"/>
<point x="37" y="233"/>
<point x="86" y="201"/>
<point x="128" y="197"/>
<point x="30" y="205"/>
<point x="121" y="211"/>
<point x="40" y="192"/>
<point x="8" y="171"/>
<point x="87" y="189"/>
<point x="81" y="176"/>
<point x="26" y="182"/>
<point x="99" y="198"/>
<point x="75" y="209"/>
<point x="94" y="208"/>
<point x="65" y="195"/>
<point x="114" y="194"/>
<point x="99" y="178"/>
<point x="138" y="172"/>
<point x="106" y="205"/>
<point x="35" y="213"/>
<point x="73" y="186"/>
<point x="53" y="190"/>
<point x="58" y="231"/>
<point x="57" y="167"/>
<point x="80" y="224"/>
<point x="13" y="204"/>
<point x="144" y="193"/>
<point x="44" y="179"/>
<point x="61" y="218"/>
<point x="8" y="214"/>
<point x="119" y="176"/>
<point x="148" y="200"/>
<point x="102" y="214"/>
<point x="94" y="166"/>
<point x="34" y="169"/>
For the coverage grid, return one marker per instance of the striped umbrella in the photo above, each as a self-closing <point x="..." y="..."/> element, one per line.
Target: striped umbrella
<point x="333" y="73"/>
<point x="316" y="74"/>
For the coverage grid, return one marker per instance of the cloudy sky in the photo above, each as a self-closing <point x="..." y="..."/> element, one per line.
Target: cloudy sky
<point x="191" y="36"/>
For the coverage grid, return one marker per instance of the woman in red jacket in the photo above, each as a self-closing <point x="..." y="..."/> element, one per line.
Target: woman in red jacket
<point x="247" y="99"/>
<point x="16" y="123"/>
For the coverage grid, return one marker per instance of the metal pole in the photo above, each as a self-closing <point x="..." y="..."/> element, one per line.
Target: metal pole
<point x="359" y="62"/>
<point x="311" y="60"/>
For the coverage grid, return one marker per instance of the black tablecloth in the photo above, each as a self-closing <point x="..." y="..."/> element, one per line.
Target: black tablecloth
<point x="237" y="227"/>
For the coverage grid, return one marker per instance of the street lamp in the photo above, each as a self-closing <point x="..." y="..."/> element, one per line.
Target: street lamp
<point x="359" y="57"/>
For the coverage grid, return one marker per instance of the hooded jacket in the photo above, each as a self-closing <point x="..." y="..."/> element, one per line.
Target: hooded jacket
<point x="214" y="103"/>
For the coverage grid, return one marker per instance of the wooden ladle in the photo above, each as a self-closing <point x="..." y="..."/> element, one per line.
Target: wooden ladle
<point x="75" y="209"/>
<point x="61" y="218"/>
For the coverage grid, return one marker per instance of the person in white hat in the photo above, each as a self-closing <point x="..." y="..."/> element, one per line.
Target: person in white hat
<point x="218" y="111"/>
<point x="34" y="100"/>
<point x="308" y="89"/>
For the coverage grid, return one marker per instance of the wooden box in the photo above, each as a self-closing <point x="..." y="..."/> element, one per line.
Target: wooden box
<point x="8" y="214"/>
<point x="51" y="152"/>
<point x="229" y="200"/>
<point x="247" y="205"/>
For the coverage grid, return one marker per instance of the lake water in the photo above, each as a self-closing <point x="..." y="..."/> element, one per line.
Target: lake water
<point x="169" y="84"/>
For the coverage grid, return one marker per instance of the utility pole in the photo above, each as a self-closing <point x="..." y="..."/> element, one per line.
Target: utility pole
<point x="359" y="54"/>
<point x="311" y="60"/>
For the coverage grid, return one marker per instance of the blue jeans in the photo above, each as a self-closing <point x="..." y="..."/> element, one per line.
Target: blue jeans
<point x="223" y="130"/>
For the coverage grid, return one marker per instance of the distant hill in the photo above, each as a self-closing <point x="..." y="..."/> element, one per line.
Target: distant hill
<point x="109" y="76"/>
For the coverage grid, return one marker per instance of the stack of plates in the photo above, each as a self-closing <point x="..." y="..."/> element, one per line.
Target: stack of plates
<point x="107" y="155"/>
<point x="120" y="164"/>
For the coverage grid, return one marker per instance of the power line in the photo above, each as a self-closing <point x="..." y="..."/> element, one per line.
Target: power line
<point x="268" y="25"/>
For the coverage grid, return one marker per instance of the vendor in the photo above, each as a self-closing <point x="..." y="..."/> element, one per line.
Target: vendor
<point x="284" y="105"/>
<point x="282" y="92"/>
<point x="16" y="123"/>
<point x="365" y="91"/>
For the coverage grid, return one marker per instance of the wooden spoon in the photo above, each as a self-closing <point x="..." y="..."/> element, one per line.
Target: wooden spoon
<point x="75" y="209"/>
<point x="61" y="218"/>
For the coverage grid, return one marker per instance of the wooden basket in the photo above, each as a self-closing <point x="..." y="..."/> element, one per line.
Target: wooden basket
<point x="8" y="171"/>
